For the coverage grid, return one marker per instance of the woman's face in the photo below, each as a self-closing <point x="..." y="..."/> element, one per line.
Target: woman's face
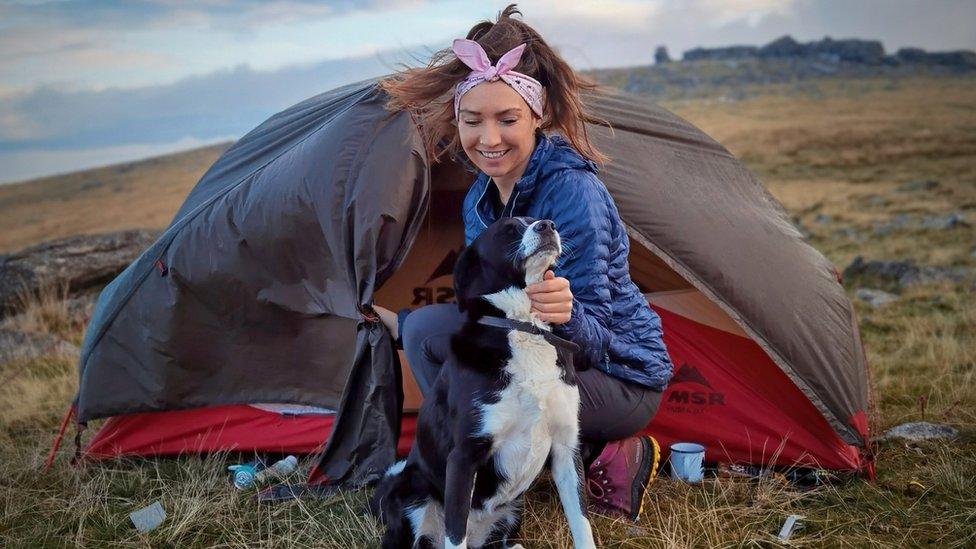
<point x="493" y="118"/>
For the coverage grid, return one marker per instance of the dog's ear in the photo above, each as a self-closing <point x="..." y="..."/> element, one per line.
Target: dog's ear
<point x="466" y="272"/>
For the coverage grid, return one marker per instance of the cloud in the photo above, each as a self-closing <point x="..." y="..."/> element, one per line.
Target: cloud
<point x="77" y="76"/>
<point x="226" y="102"/>
<point x="130" y="44"/>
<point x="618" y="33"/>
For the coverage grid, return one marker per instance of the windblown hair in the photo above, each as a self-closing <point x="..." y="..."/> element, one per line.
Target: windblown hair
<point x="428" y="92"/>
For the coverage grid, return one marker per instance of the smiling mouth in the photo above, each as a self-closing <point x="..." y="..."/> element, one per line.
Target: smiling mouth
<point x="494" y="155"/>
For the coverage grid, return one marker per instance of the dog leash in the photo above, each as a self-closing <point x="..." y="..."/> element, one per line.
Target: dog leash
<point x="529" y="328"/>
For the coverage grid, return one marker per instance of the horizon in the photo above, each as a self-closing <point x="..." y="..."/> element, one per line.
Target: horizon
<point x="90" y="95"/>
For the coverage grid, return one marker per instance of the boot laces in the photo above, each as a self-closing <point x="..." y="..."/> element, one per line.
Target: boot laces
<point x="596" y="485"/>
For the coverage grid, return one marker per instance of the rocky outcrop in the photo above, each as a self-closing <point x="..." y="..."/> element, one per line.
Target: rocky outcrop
<point x="849" y="50"/>
<point x="721" y="54"/>
<point x="784" y="46"/>
<point x="961" y="59"/>
<point x="661" y="55"/>
<point x="77" y="263"/>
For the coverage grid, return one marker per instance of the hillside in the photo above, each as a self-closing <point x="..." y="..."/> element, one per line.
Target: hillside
<point x="145" y="193"/>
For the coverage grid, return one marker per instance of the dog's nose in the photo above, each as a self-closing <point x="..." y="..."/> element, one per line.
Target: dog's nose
<point x="544" y="225"/>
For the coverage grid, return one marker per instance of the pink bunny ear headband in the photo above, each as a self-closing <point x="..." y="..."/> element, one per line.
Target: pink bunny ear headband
<point x="473" y="55"/>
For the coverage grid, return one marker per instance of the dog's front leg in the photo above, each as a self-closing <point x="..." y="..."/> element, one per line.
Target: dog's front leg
<point x="567" y="471"/>
<point x="457" y="497"/>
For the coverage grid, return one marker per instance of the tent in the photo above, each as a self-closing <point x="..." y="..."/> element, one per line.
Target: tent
<point x="259" y="292"/>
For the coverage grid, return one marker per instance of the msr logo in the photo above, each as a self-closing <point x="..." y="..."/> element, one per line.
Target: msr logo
<point x="688" y="400"/>
<point x="426" y="295"/>
<point x="446" y="266"/>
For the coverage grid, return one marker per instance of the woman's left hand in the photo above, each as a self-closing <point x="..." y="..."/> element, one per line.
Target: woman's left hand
<point x="552" y="301"/>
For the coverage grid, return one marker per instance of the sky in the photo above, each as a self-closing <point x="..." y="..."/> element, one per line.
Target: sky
<point x="88" y="83"/>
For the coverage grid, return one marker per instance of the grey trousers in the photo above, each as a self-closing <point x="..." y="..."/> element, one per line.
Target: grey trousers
<point x="610" y="408"/>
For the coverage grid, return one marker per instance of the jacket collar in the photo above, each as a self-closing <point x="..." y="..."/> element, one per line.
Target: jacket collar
<point x="551" y="154"/>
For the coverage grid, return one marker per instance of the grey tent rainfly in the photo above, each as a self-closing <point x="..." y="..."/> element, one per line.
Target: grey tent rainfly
<point x="260" y="289"/>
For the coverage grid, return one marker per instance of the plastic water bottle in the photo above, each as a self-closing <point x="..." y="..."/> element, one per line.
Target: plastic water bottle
<point x="244" y="474"/>
<point x="251" y="474"/>
<point x="279" y="469"/>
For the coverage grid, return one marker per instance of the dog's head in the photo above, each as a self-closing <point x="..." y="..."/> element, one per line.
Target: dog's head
<point x="513" y="251"/>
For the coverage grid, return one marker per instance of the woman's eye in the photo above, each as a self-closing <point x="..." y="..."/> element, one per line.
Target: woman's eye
<point x="471" y="122"/>
<point x="510" y="122"/>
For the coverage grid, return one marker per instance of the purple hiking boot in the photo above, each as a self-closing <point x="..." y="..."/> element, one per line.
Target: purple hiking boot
<point x="617" y="479"/>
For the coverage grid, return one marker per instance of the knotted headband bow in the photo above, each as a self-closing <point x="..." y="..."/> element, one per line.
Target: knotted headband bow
<point x="473" y="55"/>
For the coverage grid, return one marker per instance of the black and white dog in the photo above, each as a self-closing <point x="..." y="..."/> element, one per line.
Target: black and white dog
<point x="504" y="404"/>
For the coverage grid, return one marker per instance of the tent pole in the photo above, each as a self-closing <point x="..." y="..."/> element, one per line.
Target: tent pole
<point x="68" y="414"/>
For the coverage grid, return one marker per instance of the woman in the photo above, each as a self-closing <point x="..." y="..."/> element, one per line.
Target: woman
<point x="500" y="118"/>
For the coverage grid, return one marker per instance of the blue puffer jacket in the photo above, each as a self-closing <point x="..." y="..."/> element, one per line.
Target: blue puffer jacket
<point x="615" y="328"/>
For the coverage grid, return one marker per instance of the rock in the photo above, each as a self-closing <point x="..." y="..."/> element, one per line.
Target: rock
<point x="720" y="54"/>
<point x="853" y="50"/>
<point x="661" y="55"/>
<point x="822" y="219"/>
<point x="876" y="200"/>
<point x="899" y="223"/>
<point x="784" y="46"/>
<point x="80" y="263"/>
<point x="944" y="222"/>
<point x="918" y="185"/>
<point x="960" y="59"/>
<point x="874" y="298"/>
<point x="920" y="430"/>
<point x="911" y="55"/>
<point x="932" y="275"/>
<point x="890" y="270"/>
<point x="82" y="306"/>
<point x="849" y="233"/>
<point x="903" y="273"/>
<point x="17" y="345"/>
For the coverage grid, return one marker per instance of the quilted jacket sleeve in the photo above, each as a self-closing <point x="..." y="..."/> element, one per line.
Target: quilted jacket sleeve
<point x="582" y="216"/>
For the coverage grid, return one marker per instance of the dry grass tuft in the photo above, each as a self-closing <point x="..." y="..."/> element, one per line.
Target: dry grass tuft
<point x="47" y="311"/>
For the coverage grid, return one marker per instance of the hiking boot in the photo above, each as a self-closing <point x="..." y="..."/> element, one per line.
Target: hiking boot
<point x="617" y="479"/>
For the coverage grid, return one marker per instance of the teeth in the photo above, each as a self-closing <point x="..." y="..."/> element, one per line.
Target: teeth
<point x="493" y="155"/>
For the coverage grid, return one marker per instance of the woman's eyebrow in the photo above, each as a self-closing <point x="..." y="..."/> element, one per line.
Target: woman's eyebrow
<point x="500" y="113"/>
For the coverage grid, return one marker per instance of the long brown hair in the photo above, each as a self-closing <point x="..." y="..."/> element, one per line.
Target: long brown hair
<point x="428" y="92"/>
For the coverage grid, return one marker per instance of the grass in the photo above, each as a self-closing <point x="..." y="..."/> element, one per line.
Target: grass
<point x="837" y="153"/>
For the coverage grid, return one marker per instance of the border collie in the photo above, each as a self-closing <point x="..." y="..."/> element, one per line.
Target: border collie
<point x="504" y="405"/>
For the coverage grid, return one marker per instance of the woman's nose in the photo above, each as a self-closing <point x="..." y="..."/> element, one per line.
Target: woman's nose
<point x="491" y="136"/>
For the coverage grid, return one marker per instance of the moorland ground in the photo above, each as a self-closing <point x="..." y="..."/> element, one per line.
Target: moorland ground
<point x="840" y="154"/>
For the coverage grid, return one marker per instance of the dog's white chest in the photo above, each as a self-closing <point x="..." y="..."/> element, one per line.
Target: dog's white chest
<point x="530" y="410"/>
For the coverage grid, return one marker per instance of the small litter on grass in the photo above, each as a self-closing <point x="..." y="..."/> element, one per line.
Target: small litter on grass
<point x="148" y="518"/>
<point x="791" y="524"/>
<point x="637" y="531"/>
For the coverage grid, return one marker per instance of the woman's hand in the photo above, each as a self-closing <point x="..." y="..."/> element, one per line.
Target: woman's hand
<point x="389" y="319"/>
<point x="552" y="301"/>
